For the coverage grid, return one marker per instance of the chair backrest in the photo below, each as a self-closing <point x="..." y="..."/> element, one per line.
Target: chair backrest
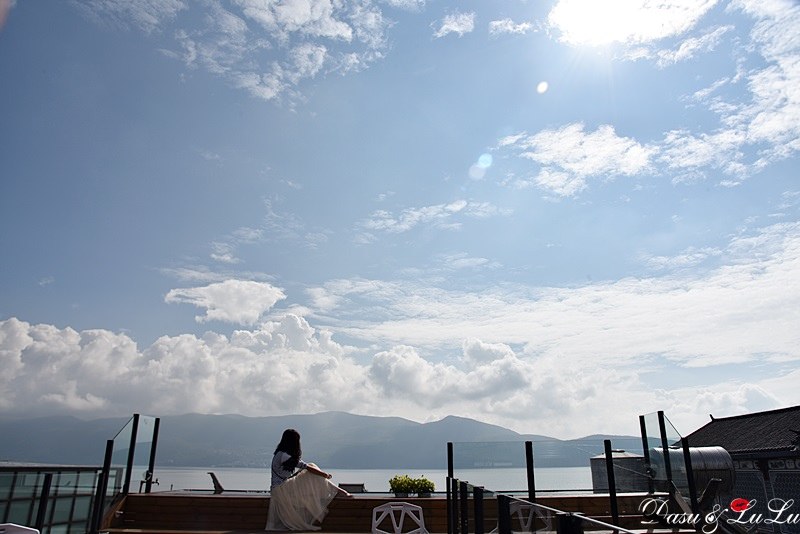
<point x="526" y="514"/>
<point x="13" y="528"/>
<point x="397" y="513"/>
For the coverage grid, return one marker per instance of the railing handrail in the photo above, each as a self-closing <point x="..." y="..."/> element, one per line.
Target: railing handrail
<point x="603" y="524"/>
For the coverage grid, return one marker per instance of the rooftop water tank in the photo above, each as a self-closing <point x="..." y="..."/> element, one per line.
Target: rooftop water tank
<point x="707" y="463"/>
<point x="629" y="472"/>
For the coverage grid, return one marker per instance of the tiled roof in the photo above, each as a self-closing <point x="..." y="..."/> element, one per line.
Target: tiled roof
<point x="763" y="431"/>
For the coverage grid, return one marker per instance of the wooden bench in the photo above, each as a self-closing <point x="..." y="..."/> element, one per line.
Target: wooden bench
<point x="159" y="512"/>
<point x="169" y="512"/>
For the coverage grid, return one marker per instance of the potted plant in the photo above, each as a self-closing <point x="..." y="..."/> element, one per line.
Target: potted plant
<point x="424" y="487"/>
<point x="402" y="485"/>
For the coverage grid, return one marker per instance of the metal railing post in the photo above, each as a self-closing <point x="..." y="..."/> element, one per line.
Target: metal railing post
<point x="151" y="466"/>
<point x="612" y="481"/>
<point x="687" y="459"/>
<point x="662" y="427"/>
<point x="450" y="461"/>
<point x="646" y="453"/>
<point x="44" y="497"/>
<point x="503" y="514"/>
<point x="464" y="507"/>
<point x="131" y="452"/>
<point x="102" y="487"/>
<point x="477" y="496"/>
<point x="454" y="508"/>
<point x="567" y="523"/>
<point x="529" y="471"/>
<point x="449" y="489"/>
<point x="448" y="482"/>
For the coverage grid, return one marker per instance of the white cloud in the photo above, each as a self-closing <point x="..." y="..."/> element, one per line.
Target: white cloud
<point x="459" y="23"/>
<point x="561" y="183"/>
<point x="688" y="258"/>
<point x="266" y="87"/>
<point x="741" y="306"/>
<point x="265" y="48"/>
<point x="282" y="367"/>
<point x="145" y="14"/>
<point x="756" y="129"/>
<point x="569" y="156"/>
<point x="508" y="26"/>
<point x="685" y="151"/>
<point x="438" y="214"/>
<point x="755" y="132"/>
<point x="774" y="114"/>
<point x="288" y="367"/>
<point x="234" y="301"/>
<point x="463" y="260"/>
<point x="477" y="351"/>
<point x="494" y="355"/>
<point x="412" y="5"/>
<point x="307" y="60"/>
<point x="692" y="46"/>
<point x="625" y="21"/>
<point x="315" y="18"/>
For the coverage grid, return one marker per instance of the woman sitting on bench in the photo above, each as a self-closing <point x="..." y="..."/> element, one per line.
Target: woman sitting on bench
<point x="298" y="499"/>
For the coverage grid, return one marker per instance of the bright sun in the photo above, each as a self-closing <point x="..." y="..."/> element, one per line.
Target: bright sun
<point x="589" y="22"/>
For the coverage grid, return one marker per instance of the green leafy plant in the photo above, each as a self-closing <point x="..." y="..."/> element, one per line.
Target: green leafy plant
<point x="402" y="484"/>
<point x="424" y="485"/>
<point x="406" y="484"/>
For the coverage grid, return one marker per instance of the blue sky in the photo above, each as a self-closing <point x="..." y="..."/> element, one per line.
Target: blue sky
<point x="544" y="215"/>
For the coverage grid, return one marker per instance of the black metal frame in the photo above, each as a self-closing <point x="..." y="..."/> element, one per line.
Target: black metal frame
<point x="529" y="471"/>
<point x="126" y="487"/>
<point x="612" y="481"/>
<point x="152" y="464"/>
<point x="43" y="500"/>
<point x="651" y="488"/>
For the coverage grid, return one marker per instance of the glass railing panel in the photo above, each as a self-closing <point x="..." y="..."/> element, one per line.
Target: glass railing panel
<point x="564" y="466"/>
<point x="560" y="466"/>
<point x="21" y="512"/>
<point x="27" y="485"/>
<point x="677" y="458"/>
<point x="62" y="508"/>
<point x="87" y="482"/>
<point x="497" y="466"/>
<point x="119" y="456"/>
<point x="68" y="504"/>
<point x="83" y="508"/>
<point x="666" y="463"/>
<point x="6" y="480"/>
<point x="656" y="451"/>
<point x="141" y="456"/>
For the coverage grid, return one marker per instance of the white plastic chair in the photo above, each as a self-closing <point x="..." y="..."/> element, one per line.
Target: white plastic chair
<point x="13" y="528"/>
<point x="398" y="512"/>
<point x="526" y="514"/>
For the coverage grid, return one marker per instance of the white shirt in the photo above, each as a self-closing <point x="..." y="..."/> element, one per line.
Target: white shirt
<point x="279" y="474"/>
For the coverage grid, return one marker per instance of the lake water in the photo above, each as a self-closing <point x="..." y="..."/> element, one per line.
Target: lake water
<point x="377" y="480"/>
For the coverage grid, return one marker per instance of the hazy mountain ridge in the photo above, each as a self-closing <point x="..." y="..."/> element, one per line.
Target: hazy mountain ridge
<point x="331" y="439"/>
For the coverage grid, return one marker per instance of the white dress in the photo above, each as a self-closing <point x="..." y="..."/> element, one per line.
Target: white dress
<point x="299" y="501"/>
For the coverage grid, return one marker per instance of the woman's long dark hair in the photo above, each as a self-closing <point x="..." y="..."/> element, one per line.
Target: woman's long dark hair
<point x="290" y="444"/>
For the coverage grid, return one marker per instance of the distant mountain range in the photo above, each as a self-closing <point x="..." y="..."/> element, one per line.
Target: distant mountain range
<point x="331" y="439"/>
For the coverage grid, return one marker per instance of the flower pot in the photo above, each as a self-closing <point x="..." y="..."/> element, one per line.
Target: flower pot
<point x="400" y="495"/>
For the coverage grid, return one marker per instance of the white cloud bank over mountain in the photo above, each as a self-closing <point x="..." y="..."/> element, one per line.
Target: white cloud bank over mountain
<point x="547" y="360"/>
